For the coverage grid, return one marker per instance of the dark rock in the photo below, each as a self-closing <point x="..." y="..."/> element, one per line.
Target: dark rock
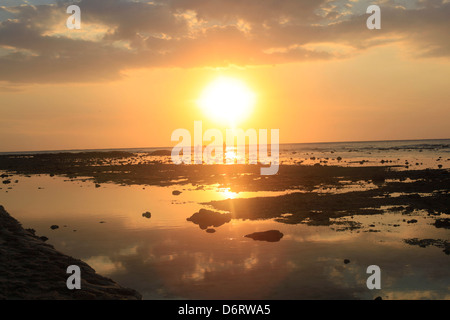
<point x="54" y="227"/>
<point x="207" y="218"/>
<point x="412" y="221"/>
<point x="346" y="261"/>
<point x="210" y="230"/>
<point x="269" y="236"/>
<point x="442" y="223"/>
<point x="43" y="238"/>
<point x="147" y="215"/>
<point x="176" y="192"/>
<point x="378" y="298"/>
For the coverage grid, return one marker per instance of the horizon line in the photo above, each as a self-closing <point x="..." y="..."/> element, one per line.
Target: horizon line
<point x="169" y="147"/>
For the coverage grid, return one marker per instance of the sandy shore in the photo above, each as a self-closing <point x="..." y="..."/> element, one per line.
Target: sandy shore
<point x="32" y="269"/>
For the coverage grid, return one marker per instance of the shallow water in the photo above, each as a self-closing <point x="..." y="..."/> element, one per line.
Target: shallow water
<point x="167" y="257"/>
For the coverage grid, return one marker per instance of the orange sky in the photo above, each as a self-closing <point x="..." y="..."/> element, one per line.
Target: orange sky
<point x="382" y="92"/>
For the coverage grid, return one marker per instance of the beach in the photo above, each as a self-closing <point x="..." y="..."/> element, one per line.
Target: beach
<point x="184" y="231"/>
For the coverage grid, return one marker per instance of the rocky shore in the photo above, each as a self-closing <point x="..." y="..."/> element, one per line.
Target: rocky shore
<point x="33" y="269"/>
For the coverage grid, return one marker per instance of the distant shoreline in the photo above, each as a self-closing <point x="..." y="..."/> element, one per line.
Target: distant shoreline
<point x="145" y="149"/>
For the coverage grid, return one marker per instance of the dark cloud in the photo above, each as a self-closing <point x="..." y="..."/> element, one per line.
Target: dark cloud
<point x="35" y="47"/>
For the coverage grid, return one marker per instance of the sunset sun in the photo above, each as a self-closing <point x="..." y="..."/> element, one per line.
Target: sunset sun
<point x="227" y="99"/>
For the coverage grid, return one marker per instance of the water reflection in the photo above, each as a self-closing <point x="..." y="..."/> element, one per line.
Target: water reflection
<point x="167" y="257"/>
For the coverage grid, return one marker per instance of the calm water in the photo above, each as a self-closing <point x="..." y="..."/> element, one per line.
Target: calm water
<point x="167" y="257"/>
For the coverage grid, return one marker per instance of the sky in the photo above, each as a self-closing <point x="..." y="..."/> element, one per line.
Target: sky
<point x="135" y="70"/>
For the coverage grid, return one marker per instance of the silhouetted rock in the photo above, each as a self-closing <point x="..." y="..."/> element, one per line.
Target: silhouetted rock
<point x="207" y="218"/>
<point x="54" y="227"/>
<point x="346" y="261"/>
<point x="210" y="230"/>
<point x="176" y="192"/>
<point x="147" y="215"/>
<point x="270" y="236"/>
<point x="442" y="223"/>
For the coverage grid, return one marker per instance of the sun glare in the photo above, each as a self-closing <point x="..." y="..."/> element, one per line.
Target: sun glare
<point x="227" y="99"/>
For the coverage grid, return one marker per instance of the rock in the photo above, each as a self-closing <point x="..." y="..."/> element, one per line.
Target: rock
<point x="269" y="236"/>
<point x="43" y="238"/>
<point x="176" y="193"/>
<point x="147" y="215"/>
<point x="442" y="223"/>
<point x="211" y="230"/>
<point x="346" y="261"/>
<point x="207" y="218"/>
<point x="6" y="181"/>
<point x="97" y="185"/>
<point x="54" y="227"/>
<point x="102" y="222"/>
<point x="412" y="221"/>
<point x="378" y="298"/>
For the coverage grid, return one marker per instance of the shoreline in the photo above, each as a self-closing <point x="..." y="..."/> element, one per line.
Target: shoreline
<point x="33" y="269"/>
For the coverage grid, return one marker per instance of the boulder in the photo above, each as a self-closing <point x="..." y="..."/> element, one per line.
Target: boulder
<point x="269" y="236"/>
<point x="207" y="218"/>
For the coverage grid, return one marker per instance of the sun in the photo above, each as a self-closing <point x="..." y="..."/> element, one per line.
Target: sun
<point x="227" y="100"/>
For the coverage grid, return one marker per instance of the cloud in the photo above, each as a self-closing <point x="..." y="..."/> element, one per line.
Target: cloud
<point x="35" y="46"/>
